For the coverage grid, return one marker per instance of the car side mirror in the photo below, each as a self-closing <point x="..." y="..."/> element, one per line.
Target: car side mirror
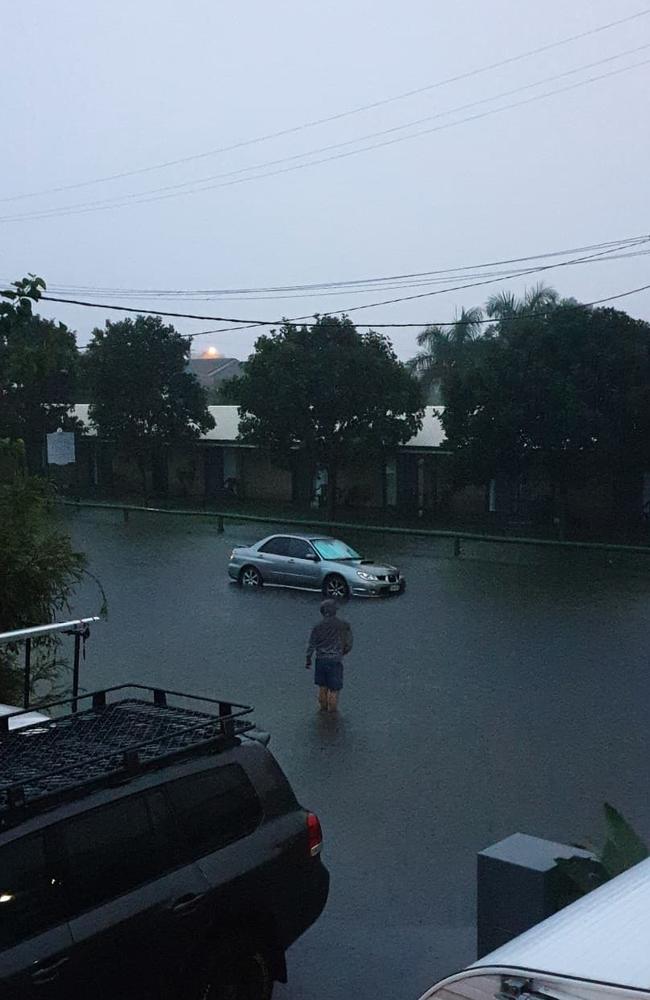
<point x="312" y="557"/>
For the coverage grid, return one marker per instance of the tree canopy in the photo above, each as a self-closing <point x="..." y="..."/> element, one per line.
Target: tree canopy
<point x="38" y="569"/>
<point x="38" y="367"/>
<point x="552" y="385"/>
<point x="141" y="394"/>
<point x="326" y="394"/>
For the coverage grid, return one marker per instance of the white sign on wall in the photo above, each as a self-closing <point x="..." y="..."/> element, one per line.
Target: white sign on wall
<point x="60" y="448"/>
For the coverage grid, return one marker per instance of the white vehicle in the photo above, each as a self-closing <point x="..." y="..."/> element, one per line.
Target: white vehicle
<point x="24" y="718"/>
<point x="596" y="949"/>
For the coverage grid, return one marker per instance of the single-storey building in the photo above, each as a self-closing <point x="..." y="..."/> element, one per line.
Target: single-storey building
<point x="416" y="478"/>
<point x="220" y="466"/>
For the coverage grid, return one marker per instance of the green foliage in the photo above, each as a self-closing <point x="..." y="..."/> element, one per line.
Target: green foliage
<point x="141" y="396"/>
<point x="327" y="395"/>
<point x="38" y="367"/>
<point x="550" y="385"/>
<point x="623" y="848"/>
<point x="38" y="571"/>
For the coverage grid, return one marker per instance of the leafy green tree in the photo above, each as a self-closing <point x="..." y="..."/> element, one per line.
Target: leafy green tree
<point x="141" y="395"/>
<point x="326" y="395"/>
<point x="555" y="387"/>
<point x="38" y="569"/>
<point x="38" y="366"/>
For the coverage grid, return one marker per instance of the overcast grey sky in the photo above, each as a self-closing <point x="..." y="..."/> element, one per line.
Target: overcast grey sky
<point x="97" y="88"/>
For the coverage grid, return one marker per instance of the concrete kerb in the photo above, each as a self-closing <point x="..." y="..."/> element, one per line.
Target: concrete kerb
<point x="456" y="536"/>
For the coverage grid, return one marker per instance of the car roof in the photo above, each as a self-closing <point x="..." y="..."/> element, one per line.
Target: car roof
<point x="299" y="534"/>
<point x="600" y="939"/>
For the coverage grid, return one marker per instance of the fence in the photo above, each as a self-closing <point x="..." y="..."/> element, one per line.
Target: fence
<point x="457" y="537"/>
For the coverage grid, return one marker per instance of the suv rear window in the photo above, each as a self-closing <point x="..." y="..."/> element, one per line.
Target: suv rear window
<point x="110" y="851"/>
<point x="30" y="895"/>
<point x="214" y="808"/>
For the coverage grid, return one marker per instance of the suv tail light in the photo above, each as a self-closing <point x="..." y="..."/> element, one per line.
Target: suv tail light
<point x="315" y="834"/>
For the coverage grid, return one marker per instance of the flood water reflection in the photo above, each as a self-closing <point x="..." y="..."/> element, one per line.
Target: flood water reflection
<point x="497" y="695"/>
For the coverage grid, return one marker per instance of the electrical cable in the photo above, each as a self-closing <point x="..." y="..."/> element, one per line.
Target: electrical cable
<point x="339" y="115"/>
<point x="347" y="291"/>
<point x="443" y="323"/>
<point x="148" y="197"/>
<point x="249" y="324"/>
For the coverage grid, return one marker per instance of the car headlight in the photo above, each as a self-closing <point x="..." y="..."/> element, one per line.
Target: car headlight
<point x="366" y="576"/>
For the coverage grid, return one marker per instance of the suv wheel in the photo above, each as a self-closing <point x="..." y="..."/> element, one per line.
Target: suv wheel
<point x="336" y="588"/>
<point x="240" y="971"/>
<point x="250" y="577"/>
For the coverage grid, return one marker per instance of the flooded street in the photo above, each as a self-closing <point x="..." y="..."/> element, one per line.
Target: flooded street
<point x="492" y="697"/>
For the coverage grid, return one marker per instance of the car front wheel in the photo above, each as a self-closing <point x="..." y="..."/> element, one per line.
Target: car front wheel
<point x="250" y="577"/>
<point x="336" y="588"/>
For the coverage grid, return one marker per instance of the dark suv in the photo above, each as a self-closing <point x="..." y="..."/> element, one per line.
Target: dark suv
<point x="148" y="850"/>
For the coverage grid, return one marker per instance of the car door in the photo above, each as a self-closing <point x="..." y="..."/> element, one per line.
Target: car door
<point x="273" y="561"/>
<point x="135" y="910"/>
<point x="216" y="809"/>
<point x="304" y="568"/>
<point x="35" y="939"/>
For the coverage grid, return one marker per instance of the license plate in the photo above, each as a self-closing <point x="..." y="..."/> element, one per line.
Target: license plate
<point x="394" y="587"/>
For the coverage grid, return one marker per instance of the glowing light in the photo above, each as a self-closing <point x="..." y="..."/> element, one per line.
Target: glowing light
<point x="211" y="352"/>
<point x="6" y="897"/>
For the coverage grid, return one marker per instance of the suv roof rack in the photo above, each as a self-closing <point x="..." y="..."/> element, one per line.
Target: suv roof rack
<point x="123" y="731"/>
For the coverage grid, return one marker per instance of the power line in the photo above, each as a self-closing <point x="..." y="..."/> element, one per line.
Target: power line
<point x="174" y="192"/>
<point x="249" y="324"/>
<point x="441" y="323"/>
<point x="337" y="116"/>
<point x="370" y="135"/>
<point x="123" y="293"/>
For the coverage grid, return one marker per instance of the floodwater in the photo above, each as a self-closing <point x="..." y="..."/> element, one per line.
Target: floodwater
<point x="496" y="695"/>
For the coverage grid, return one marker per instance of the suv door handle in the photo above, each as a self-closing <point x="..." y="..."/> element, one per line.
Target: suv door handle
<point x="186" y="904"/>
<point x="47" y="973"/>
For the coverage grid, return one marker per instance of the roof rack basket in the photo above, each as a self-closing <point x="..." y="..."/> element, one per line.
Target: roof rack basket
<point x="115" y="733"/>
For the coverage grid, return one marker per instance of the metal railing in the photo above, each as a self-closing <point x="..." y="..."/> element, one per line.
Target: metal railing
<point x="457" y="537"/>
<point x="78" y="627"/>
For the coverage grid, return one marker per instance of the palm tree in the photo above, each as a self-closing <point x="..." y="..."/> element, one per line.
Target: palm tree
<point x="506" y="305"/>
<point x="442" y="346"/>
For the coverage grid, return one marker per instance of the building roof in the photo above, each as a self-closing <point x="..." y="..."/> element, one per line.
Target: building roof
<point x="213" y="371"/>
<point x="226" y="427"/>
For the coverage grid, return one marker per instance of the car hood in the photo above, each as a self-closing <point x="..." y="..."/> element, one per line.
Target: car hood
<point x="377" y="569"/>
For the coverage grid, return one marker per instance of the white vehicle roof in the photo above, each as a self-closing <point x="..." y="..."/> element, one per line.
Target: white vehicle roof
<point x="597" y="947"/>
<point x="26" y="719"/>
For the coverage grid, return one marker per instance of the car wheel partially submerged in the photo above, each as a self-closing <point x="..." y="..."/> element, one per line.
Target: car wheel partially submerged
<point x="250" y="577"/>
<point x="335" y="588"/>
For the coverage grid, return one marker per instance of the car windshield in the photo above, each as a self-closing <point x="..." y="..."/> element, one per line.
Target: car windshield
<point x="332" y="548"/>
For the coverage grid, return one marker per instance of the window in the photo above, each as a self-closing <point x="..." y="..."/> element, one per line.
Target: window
<point x="332" y="548"/>
<point x="299" y="548"/>
<point x="110" y="851"/>
<point x="30" y="893"/>
<point x="276" y="546"/>
<point x="214" y="808"/>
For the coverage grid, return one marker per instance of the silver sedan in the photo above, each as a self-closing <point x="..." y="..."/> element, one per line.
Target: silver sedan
<point x="314" y="562"/>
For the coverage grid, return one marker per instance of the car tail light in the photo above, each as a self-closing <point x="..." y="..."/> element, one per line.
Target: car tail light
<point x="315" y="834"/>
